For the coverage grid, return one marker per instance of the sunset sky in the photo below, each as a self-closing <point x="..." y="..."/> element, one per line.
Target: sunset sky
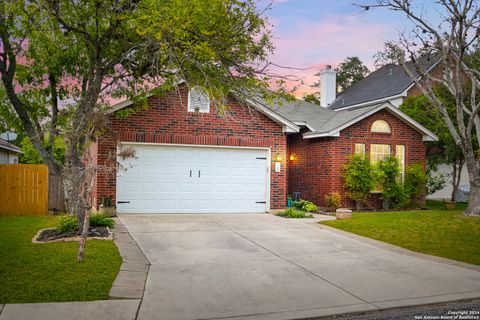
<point x="313" y="33"/>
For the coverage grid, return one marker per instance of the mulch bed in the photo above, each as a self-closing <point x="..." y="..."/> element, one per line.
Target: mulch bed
<point x="52" y="235"/>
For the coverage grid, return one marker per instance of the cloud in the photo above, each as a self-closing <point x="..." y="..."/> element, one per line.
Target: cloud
<point x="313" y="44"/>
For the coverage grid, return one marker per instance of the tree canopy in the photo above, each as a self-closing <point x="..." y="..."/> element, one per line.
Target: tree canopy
<point x="349" y="72"/>
<point x="62" y="61"/>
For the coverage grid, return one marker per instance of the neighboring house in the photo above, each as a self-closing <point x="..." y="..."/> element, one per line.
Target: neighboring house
<point x="8" y="152"/>
<point x="190" y="158"/>
<point x="391" y="84"/>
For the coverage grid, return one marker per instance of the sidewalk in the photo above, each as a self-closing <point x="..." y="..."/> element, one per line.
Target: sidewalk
<point x="105" y="309"/>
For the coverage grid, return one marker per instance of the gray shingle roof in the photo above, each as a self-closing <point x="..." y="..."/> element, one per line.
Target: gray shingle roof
<point x="324" y="122"/>
<point x="389" y="80"/>
<point x="4" y="144"/>
<point x="318" y="119"/>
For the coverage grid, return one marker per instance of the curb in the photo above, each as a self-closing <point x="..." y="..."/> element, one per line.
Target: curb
<point x="130" y="280"/>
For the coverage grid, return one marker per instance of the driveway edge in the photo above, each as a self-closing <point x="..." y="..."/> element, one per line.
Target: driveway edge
<point x="400" y="250"/>
<point x="130" y="280"/>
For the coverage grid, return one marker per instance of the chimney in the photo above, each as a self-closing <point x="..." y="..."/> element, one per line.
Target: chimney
<point x="328" y="86"/>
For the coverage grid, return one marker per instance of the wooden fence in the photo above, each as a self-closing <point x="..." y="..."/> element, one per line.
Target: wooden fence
<point x="23" y="189"/>
<point x="56" y="195"/>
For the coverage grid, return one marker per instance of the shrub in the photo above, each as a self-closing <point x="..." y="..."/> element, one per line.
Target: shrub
<point x="67" y="224"/>
<point x="358" y="178"/>
<point x="414" y="184"/>
<point x="309" y="207"/>
<point x="333" y="200"/>
<point x="293" y="213"/>
<point x="298" y="204"/>
<point x="100" y="220"/>
<point x="387" y="174"/>
<point x="305" y="205"/>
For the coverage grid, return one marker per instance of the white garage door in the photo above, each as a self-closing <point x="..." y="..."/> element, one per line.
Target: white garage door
<point x="179" y="179"/>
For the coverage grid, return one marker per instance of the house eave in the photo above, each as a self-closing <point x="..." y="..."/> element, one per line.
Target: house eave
<point x="427" y="134"/>
<point x="289" y="126"/>
<point x="304" y="124"/>
<point x="311" y="135"/>
<point x="372" y="102"/>
<point x="14" y="150"/>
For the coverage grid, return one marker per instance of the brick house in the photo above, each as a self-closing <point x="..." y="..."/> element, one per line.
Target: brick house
<point x="191" y="158"/>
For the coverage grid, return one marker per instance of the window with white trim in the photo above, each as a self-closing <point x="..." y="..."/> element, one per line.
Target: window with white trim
<point x="381" y="126"/>
<point x="400" y="155"/>
<point x="360" y="148"/>
<point x="198" y="100"/>
<point x="378" y="152"/>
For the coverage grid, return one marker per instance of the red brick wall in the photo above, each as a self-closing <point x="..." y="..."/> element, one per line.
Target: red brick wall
<point x="317" y="170"/>
<point x="167" y="121"/>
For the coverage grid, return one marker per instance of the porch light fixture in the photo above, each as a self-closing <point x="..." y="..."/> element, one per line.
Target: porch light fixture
<point x="278" y="157"/>
<point x="293" y="157"/>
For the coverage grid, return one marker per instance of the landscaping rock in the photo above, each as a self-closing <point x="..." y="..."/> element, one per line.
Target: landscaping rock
<point x="52" y="235"/>
<point x="343" y="214"/>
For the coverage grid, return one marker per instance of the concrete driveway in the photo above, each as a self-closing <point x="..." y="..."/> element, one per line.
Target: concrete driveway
<point x="258" y="266"/>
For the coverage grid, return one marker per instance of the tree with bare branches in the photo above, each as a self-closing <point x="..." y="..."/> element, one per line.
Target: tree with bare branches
<point x="451" y="40"/>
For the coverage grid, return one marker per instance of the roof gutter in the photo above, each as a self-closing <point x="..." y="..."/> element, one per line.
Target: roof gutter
<point x="16" y="150"/>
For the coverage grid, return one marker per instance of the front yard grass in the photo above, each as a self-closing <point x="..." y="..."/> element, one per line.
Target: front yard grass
<point x="436" y="231"/>
<point x="50" y="272"/>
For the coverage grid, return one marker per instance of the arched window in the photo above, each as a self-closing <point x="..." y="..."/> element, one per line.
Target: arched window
<point x="198" y="100"/>
<point x="381" y="126"/>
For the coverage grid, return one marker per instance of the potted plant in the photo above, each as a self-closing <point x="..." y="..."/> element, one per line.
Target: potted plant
<point x="448" y="204"/>
<point x="289" y="201"/>
<point x="107" y="208"/>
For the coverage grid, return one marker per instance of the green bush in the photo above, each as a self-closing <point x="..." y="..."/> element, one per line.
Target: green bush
<point x="100" y="220"/>
<point x="414" y="183"/>
<point x="305" y="205"/>
<point x="359" y="179"/>
<point x="309" y="207"/>
<point x="387" y="175"/>
<point x="298" y="204"/>
<point x="294" y="213"/>
<point x="333" y="200"/>
<point x="67" y="224"/>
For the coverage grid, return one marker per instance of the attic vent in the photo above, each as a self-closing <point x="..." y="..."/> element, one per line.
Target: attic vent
<point x="198" y="100"/>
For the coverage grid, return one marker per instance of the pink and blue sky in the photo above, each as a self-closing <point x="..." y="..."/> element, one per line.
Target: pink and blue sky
<point x="313" y="33"/>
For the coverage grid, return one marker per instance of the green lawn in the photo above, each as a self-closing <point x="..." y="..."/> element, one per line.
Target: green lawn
<point x="49" y="271"/>
<point x="436" y="231"/>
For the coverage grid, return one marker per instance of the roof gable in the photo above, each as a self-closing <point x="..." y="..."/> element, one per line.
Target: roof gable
<point x="288" y="125"/>
<point x="347" y="118"/>
<point x="387" y="82"/>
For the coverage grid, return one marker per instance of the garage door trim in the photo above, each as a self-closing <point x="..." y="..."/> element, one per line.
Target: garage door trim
<point x="268" y="149"/>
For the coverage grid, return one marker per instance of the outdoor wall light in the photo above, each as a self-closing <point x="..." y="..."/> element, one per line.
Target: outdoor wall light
<point x="278" y="157"/>
<point x="293" y="157"/>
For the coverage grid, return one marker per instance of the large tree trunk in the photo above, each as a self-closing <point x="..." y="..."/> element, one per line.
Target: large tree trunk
<point x="473" y="208"/>
<point x="73" y="182"/>
<point x="457" y="177"/>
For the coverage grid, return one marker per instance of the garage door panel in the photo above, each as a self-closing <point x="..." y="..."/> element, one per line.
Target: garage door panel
<point x="159" y="180"/>
<point x="167" y="169"/>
